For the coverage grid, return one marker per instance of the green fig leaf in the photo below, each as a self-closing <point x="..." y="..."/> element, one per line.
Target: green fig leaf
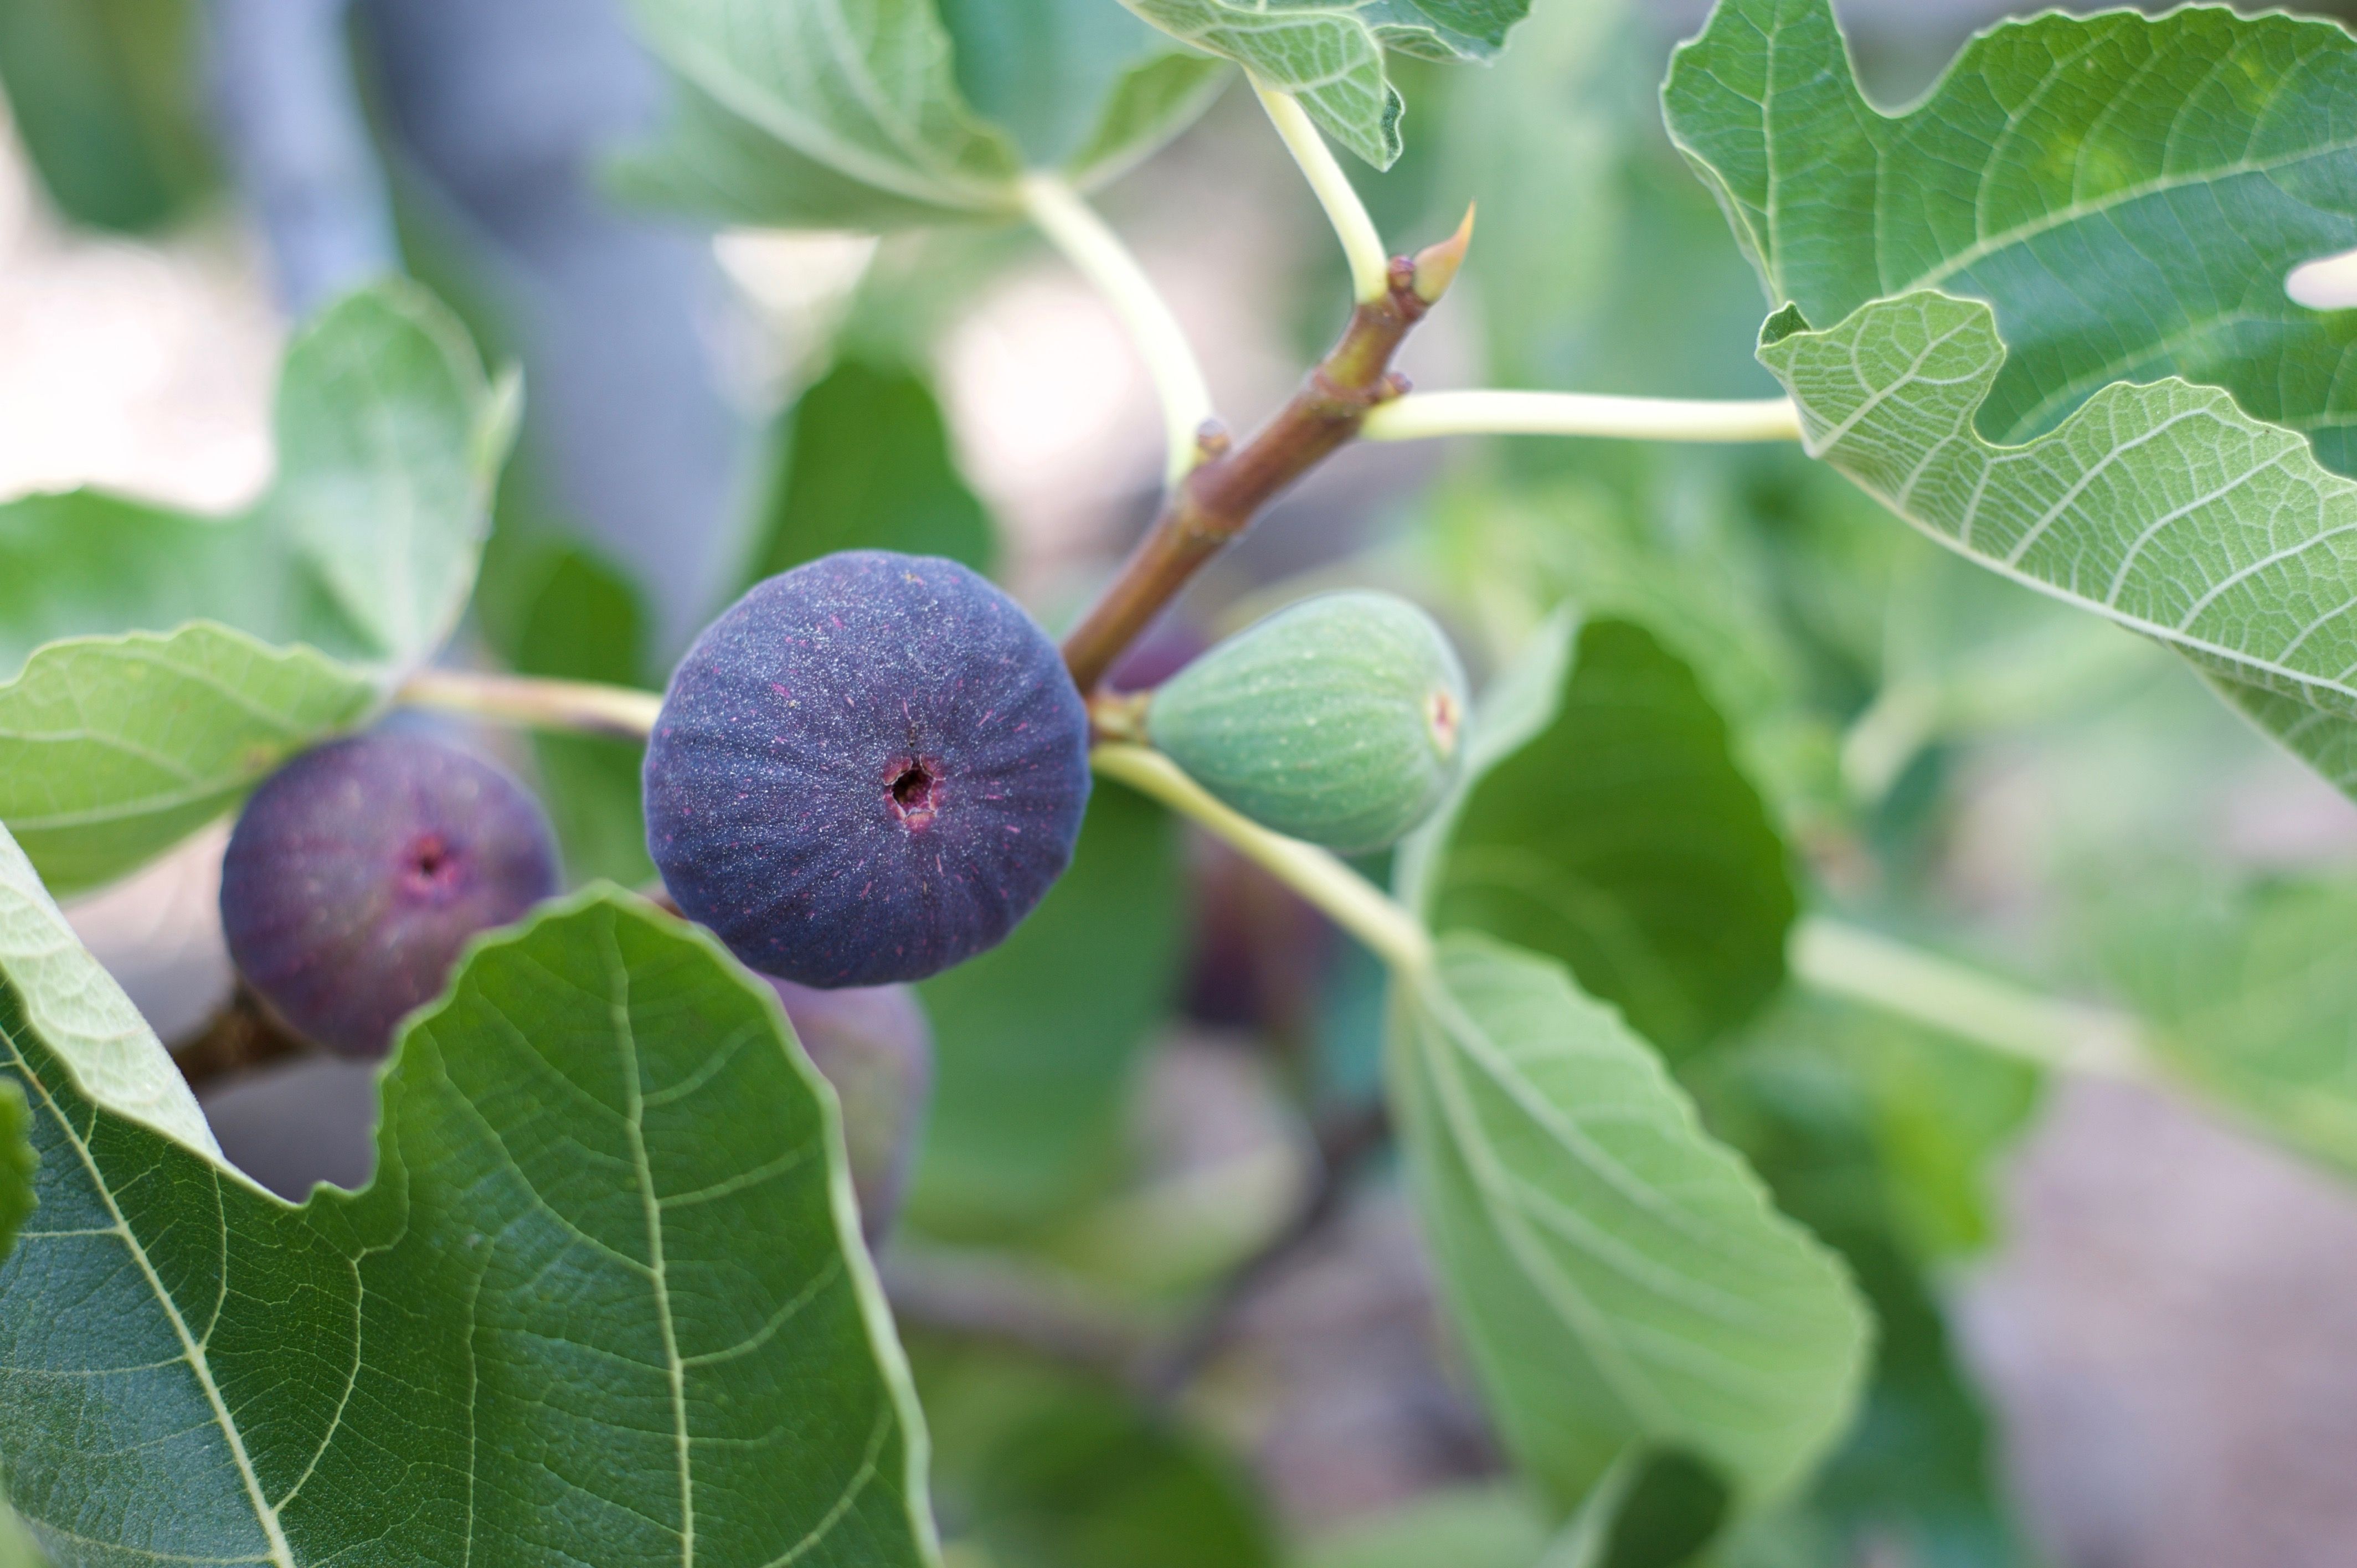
<point x="1621" y="1279"/>
<point x="538" y="1333"/>
<point x="1331" y="56"/>
<point x="863" y="462"/>
<point x="884" y="113"/>
<point x="17" y="1163"/>
<point x="1604" y="823"/>
<point x="2129" y="196"/>
<point x="115" y="748"/>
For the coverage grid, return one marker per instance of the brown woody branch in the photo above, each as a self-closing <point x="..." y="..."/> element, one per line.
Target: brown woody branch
<point x="1215" y="504"/>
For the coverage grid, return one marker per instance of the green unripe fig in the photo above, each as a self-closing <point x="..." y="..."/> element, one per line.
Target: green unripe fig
<point x="1339" y="720"/>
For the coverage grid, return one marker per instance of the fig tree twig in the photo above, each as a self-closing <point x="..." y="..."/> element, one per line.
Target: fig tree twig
<point x="1075" y="229"/>
<point x="581" y="706"/>
<point x="1219" y="499"/>
<point x="241" y="1038"/>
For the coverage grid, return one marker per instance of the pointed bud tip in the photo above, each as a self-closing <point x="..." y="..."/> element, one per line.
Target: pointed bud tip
<point x="1435" y="266"/>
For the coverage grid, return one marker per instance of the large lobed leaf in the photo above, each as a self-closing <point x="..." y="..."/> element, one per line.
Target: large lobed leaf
<point x="604" y="1302"/>
<point x="1604" y="823"/>
<point x="2129" y="194"/>
<point x="1621" y="1279"/>
<point x="1330" y="53"/>
<point x="882" y="113"/>
<point x="2163" y="507"/>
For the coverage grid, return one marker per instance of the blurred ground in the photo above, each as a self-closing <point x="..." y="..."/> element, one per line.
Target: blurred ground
<point x="2169" y="1332"/>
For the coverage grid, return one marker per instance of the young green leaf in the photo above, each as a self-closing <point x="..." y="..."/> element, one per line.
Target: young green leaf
<point x="1331" y="57"/>
<point x="2248" y="995"/>
<point x="82" y="1015"/>
<point x="1603" y="821"/>
<point x="390" y="440"/>
<point x="2130" y="193"/>
<point x="1036" y="1040"/>
<point x="884" y="113"/>
<point x="863" y="462"/>
<point x="1620" y="1278"/>
<point x="115" y="748"/>
<point x="539" y="1333"/>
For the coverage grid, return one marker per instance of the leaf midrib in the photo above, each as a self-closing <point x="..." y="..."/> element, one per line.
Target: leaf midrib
<point x="282" y="1554"/>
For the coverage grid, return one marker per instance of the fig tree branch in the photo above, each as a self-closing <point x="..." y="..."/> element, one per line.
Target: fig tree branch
<point x="1423" y="415"/>
<point x="1363" y="246"/>
<point x="1057" y="209"/>
<point x="1353" y="903"/>
<point x="1219" y="499"/>
<point x="580" y="707"/>
<point x="1862" y="966"/>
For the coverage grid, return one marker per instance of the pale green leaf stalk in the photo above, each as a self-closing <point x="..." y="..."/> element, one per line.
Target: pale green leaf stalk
<point x="605" y="1300"/>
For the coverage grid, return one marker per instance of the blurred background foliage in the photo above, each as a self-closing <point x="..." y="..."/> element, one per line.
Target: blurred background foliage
<point x="1132" y="1089"/>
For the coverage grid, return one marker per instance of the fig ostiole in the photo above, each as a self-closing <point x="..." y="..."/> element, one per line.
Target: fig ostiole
<point x="358" y="871"/>
<point x="874" y="1045"/>
<point x="869" y="768"/>
<point x="1339" y="720"/>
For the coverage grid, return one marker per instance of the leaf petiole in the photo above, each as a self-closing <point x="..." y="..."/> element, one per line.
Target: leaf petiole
<point x="1091" y="246"/>
<point x="1362" y="245"/>
<point x="1355" y="904"/>
<point x="535" y="703"/>
<point x="1862" y="966"/>
<point x="1420" y="416"/>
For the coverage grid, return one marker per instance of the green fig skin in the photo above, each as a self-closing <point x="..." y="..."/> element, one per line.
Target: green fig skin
<point x="1339" y="720"/>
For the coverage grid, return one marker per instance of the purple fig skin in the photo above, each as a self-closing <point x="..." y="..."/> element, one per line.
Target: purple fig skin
<point x="358" y="871"/>
<point x="875" y="1045"/>
<point x="870" y="769"/>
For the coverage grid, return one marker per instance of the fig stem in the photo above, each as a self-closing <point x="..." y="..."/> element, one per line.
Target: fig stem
<point x="1362" y="245"/>
<point x="1355" y="904"/>
<point x="1091" y="246"/>
<point x="1423" y="415"/>
<point x="1862" y="966"/>
<point x="1221" y="496"/>
<point x="534" y="702"/>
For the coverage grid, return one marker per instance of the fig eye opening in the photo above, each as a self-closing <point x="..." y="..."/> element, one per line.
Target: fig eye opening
<point x="916" y="794"/>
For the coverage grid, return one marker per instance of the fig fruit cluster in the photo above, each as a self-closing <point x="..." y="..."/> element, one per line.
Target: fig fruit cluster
<point x="358" y="871"/>
<point x="1339" y="720"/>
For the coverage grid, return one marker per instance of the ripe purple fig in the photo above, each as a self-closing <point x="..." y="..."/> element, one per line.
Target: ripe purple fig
<point x="874" y="1047"/>
<point x="358" y="871"/>
<point x="870" y="769"/>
